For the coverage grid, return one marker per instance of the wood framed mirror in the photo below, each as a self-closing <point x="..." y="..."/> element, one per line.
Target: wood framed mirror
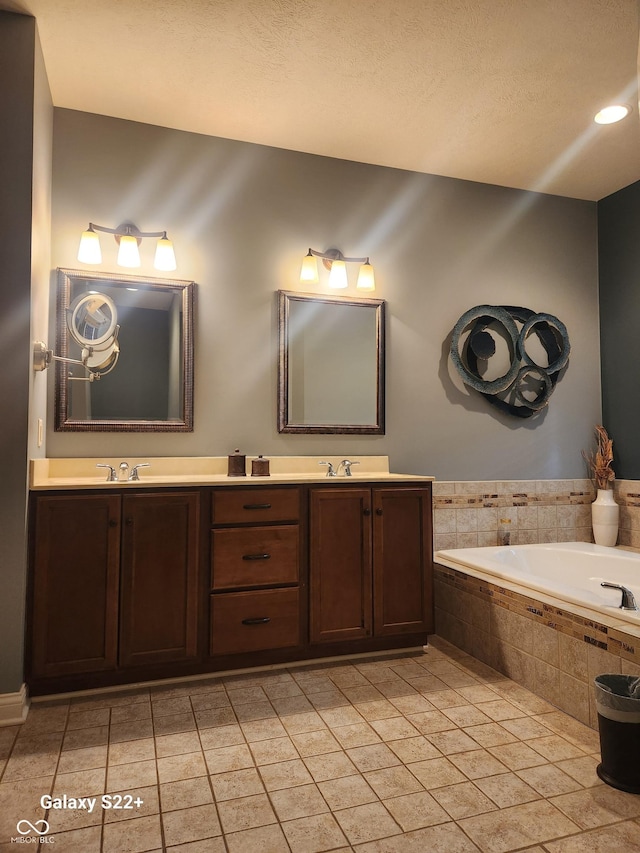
<point x="150" y="389"/>
<point x="330" y="364"/>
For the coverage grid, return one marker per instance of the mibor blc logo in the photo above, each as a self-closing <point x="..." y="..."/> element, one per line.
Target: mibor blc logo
<point x="25" y="827"/>
<point x="32" y="833"/>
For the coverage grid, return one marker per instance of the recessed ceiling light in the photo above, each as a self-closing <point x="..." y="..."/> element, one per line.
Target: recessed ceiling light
<point x="612" y="114"/>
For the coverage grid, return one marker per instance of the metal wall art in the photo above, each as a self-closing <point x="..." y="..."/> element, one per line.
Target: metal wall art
<point x="525" y="387"/>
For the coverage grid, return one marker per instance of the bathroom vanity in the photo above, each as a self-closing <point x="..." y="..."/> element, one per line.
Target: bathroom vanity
<point x="188" y="570"/>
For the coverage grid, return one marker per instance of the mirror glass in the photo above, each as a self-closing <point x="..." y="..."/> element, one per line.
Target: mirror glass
<point x="331" y="364"/>
<point x="150" y="388"/>
<point x="92" y="318"/>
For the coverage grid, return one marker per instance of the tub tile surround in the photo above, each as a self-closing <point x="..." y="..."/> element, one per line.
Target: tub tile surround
<point x="627" y="495"/>
<point x="547" y="649"/>
<point x="451" y="757"/>
<point x="467" y="514"/>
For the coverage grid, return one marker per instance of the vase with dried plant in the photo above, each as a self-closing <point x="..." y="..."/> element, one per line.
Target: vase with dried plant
<point x="605" y="512"/>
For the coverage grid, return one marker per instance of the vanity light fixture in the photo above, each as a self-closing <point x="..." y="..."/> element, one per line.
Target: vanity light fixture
<point x="336" y="263"/>
<point x="128" y="237"/>
<point x="612" y="114"/>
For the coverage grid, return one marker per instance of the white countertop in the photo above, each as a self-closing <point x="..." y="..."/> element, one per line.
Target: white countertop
<point x="81" y="473"/>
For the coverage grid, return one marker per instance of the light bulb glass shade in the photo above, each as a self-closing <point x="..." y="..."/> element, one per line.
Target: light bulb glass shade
<point x="89" y="248"/>
<point x="338" y="275"/>
<point x="128" y="254"/>
<point x="165" y="258"/>
<point x="366" y="278"/>
<point x="309" y="269"/>
<point x="612" y="114"/>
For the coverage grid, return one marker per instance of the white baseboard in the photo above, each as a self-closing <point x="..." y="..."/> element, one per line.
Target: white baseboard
<point x="14" y="707"/>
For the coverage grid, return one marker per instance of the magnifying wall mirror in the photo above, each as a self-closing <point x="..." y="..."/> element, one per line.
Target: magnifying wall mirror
<point x="92" y="320"/>
<point x="331" y="364"/>
<point x="140" y="332"/>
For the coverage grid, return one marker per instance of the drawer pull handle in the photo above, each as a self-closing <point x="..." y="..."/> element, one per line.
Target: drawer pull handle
<point x="256" y="506"/>
<point x="259" y="620"/>
<point x="256" y="557"/>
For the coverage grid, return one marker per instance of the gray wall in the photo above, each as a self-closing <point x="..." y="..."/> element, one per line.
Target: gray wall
<point x="25" y="144"/>
<point x="242" y="216"/>
<point x="619" y="252"/>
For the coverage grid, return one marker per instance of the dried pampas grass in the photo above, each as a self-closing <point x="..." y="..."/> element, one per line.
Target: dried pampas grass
<point x="600" y="461"/>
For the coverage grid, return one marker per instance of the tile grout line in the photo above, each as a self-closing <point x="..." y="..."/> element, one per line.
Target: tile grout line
<point x="568" y="735"/>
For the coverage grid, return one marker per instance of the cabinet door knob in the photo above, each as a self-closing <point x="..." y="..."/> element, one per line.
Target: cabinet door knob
<point x="258" y="620"/>
<point x="366" y="512"/>
<point x="256" y="556"/>
<point x="113" y="523"/>
<point x="379" y="511"/>
<point x="129" y="521"/>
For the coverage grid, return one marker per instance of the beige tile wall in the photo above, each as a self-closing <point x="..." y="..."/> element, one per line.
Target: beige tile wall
<point x="467" y="514"/>
<point x="627" y="495"/>
<point x="554" y="653"/>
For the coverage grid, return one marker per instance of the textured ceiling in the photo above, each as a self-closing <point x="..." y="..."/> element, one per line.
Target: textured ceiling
<point x="497" y="91"/>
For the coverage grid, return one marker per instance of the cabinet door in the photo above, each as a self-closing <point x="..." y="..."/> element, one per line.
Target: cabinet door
<point x="340" y="564"/>
<point x="76" y="555"/>
<point x="159" y="599"/>
<point x="402" y="561"/>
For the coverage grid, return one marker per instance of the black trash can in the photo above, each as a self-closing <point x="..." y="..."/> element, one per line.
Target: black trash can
<point x="618" y="705"/>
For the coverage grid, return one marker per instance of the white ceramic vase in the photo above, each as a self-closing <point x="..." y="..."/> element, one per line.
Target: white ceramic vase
<point x="605" y="515"/>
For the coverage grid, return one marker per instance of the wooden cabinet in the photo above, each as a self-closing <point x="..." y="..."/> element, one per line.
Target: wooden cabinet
<point x="402" y="561"/>
<point x="255" y="570"/>
<point x="114" y="581"/>
<point x="76" y="569"/>
<point x="370" y="562"/>
<point x="288" y="572"/>
<point x="340" y="579"/>
<point x="159" y="586"/>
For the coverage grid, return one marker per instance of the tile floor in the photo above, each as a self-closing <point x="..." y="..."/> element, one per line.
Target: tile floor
<point x="428" y="753"/>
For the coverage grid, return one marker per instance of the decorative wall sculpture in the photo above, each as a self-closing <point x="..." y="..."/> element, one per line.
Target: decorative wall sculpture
<point x="525" y="387"/>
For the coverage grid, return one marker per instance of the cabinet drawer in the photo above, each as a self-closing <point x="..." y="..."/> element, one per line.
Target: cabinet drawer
<point x="254" y="556"/>
<point x="255" y="506"/>
<point x="252" y="621"/>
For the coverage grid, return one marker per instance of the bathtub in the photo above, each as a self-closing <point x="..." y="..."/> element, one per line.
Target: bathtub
<point x="568" y="571"/>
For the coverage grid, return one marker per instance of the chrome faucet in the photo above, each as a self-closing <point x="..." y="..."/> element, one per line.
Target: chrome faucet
<point x="628" y="600"/>
<point x="124" y="467"/>
<point x="134" y="471"/>
<point x="346" y="466"/>
<point x="112" y="477"/>
<point x="331" y="471"/>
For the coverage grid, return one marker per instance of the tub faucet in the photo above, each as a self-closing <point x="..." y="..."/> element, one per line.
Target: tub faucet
<point x="628" y="600"/>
